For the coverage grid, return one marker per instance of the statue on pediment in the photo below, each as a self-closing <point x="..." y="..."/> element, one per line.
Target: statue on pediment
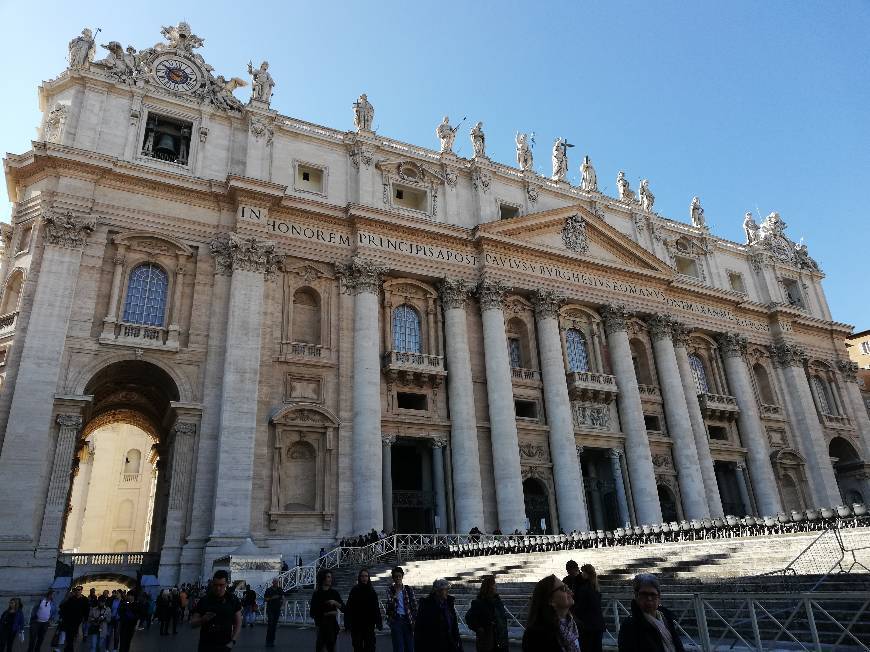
<point x="117" y="62"/>
<point x="363" y="113"/>
<point x="261" y="82"/>
<point x="622" y="185"/>
<point x="82" y="50"/>
<point x="560" y="159"/>
<point x="220" y="92"/>
<point x="525" y="159"/>
<point x="180" y="38"/>
<point x="697" y="213"/>
<point x="588" y="178"/>
<point x="446" y="135"/>
<point x="750" y="228"/>
<point x="647" y="199"/>
<point x="478" y="141"/>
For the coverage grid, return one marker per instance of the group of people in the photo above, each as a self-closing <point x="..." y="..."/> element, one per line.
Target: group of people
<point x="362" y="540"/>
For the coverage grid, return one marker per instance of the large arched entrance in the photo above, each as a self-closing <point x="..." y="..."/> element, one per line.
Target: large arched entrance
<point x="668" y="502"/>
<point x="537" y="505"/>
<point x="848" y="470"/>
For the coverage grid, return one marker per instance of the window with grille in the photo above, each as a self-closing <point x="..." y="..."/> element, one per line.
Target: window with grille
<point x="146" y="295"/>
<point x="822" y="395"/>
<point x="865" y="348"/>
<point x="578" y="357"/>
<point x="515" y="352"/>
<point x="406" y="330"/>
<point x="699" y="374"/>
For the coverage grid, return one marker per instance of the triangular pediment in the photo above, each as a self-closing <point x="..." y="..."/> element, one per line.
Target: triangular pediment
<point x="586" y="237"/>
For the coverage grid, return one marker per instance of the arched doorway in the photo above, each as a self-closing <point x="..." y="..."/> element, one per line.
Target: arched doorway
<point x="848" y="469"/>
<point x="668" y="502"/>
<point x="537" y="505"/>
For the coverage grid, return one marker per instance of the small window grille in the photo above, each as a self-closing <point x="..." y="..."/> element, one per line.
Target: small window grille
<point x="146" y="295"/>
<point x="699" y="374"/>
<point x="406" y="330"/>
<point x="578" y="358"/>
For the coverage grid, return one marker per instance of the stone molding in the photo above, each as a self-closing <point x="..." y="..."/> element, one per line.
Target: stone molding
<point x="849" y="370"/>
<point x="260" y="129"/>
<point x="439" y="442"/>
<point x="184" y="428"/>
<point x="547" y="303"/>
<point x="732" y="344"/>
<point x="660" y="326"/>
<point x="615" y="453"/>
<point x="574" y="234"/>
<point x="579" y="448"/>
<point x="454" y="293"/>
<point x="680" y="333"/>
<point x="490" y="294"/>
<point x="233" y="252"/>
<point x="361" y="275"/>
<point x="69" y="421"/>
<point x="615" y="317"/>
<point x="388" y="440"/>
<point x="65" y="229"/>
<point x="784" y="354"/>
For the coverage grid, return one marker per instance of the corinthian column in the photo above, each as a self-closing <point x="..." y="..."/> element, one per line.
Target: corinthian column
<point x="805" y="424"/>
<point x="637" y="453"/>
<point x="699" y="430"/>
<point x="566" y="473"/>
<point x="387" y="480"/>
<point x="752" y="434"/>
<point x="621" y="500"/>
<point x="465" y="458"/>
<point x="362" y="278"/>
<point x="438" y="486"/>
<point x="29" y="429"/>
<point x="248" y="261"/>
<point x="685" y="453"/>
<point x="502" y="418"/>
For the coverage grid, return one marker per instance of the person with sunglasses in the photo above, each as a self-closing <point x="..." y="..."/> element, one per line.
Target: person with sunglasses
<point x="219" y="616"/>
<point x="550" y="626"/>
<point x="651" y="627"/>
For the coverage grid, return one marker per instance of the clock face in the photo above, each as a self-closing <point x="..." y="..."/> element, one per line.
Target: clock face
<point x="176" y="75"/>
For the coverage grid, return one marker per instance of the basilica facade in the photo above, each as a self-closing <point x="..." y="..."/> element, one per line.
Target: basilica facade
<point x="324" y="332"/>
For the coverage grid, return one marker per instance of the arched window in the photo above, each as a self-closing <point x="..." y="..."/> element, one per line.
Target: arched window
<point x="306" y="316"/>
<point x="146" y="295"/>
<point x="406" y="329"/>
<point x="12" y="293"/>
<point x="821" y="395"/>
<point x="765" y="391"/>
<point x="699" y="374"/>
<point x="133" y="461"/>
<point x="578" y="356"/>
<point x="124" y="518"/>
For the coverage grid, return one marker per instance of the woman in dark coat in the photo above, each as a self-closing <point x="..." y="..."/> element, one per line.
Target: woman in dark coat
<point x="129" y="614"/>
<point x="650" y="628"/>
<point x="487" y="618"/>
<point x="587" y="610"/>
<point x="551" y="627"/>
<point x="437" y="628"/>
<point x="325" y="605"/>
<point x="363" y="614"/>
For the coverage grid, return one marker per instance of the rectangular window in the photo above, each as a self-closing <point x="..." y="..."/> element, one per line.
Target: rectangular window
<point x="719" y="433"/>
<point x="24" y="240"/>
<point x="310" y="178"/>
<point x="408" y="197"/>
<point x="507" y="211"/>
<point x="409" y="401"/>
<point x="167" y="139"/>
<point x="736" y="282"/>
<point x="793" y="293"/>
<point x="525" y="409"/>
<point x="687" y="266"/>
<point x="652" y="422"/>
<point x="865" y="348"/>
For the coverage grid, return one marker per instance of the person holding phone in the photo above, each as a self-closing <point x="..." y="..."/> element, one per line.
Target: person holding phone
<point x="219" y="616"/>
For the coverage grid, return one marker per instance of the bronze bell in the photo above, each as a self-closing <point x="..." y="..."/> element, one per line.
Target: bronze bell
<point x="166" y="147"/>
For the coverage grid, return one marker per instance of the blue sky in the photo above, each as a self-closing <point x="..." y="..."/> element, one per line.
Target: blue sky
<point x="756" y="106"/>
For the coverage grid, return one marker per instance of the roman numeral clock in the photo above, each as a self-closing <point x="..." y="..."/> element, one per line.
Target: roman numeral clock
<point x="177" y="75"/>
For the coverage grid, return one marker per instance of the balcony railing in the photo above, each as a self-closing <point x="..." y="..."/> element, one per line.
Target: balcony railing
<point x="305" y="350"/>
<point x="141" y="336"/>
<point x="718" y="405"/>
<point x="591" y="386"/>
<point x="649" y="392"/>
<point x="417" y="368"/>
<point x="836" y="421"/>
<point x="7" y="323"/>
<point x="771" y="411"/>
<point x="129" y="478"/>
<point x="525" y="376"/>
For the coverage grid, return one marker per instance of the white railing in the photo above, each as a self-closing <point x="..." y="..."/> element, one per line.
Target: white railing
<point x="7" y="322"/>
<point x="107" y="559"/>
<point x="305" y="350"/>
<point x="768" y="410"/>
<point x="142" y="333"/>
<point x="836" y="420"/>
<point x="649" y="391"/>
<point x="415" y="361"/>
<point x="129" y="478"/>
<point x="528" y="375"/>
<point x="718" y="403"/>
<point x="589" y="385"/>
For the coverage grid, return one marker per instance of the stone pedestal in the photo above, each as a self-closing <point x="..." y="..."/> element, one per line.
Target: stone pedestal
<point x="438" y="486"/>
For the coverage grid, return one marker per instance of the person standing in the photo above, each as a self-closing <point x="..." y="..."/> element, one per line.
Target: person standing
<point x="249" y="602"/>
<point x="176" y="613"/>
<point x="650" y="627"/>
<point x="112" y="634"/>
<point x="73" y="612"/>
<point x="164" y="611"/>
<point x="98" y="623"/>
<point x="128" y="615"/>
<point x="41" y="615"/>
<point x="218" y="615"/>
<point x="437" y="628"/>
<point x="274" y="600"/>
<point x="11" y="623"/>
<point x="587" y="610"/>
<point x="487" y="618"/>
<point x="550" y="626"/>
<point x="401" y="612"/>
<point x="324" y="608"/>
<point x="363" y="614"/>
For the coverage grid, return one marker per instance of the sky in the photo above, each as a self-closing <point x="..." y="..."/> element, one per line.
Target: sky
<point x="761" y="106"/>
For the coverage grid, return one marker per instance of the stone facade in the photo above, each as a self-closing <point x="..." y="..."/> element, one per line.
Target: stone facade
<point x="331" y="331"/>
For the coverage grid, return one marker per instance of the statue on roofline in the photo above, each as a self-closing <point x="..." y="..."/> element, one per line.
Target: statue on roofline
<point x="82" y="50"/>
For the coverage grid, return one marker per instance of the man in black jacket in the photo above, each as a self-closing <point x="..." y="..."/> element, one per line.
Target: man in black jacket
<point x="651" y="627"/>
<point x="437" y="628"/>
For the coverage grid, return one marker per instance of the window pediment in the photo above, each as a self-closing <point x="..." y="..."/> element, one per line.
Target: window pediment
<point x="153" y="244"/>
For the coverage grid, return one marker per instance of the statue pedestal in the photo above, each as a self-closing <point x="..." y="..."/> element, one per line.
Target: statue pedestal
<point x="258" y="105"/>
<point x="250" y="565"/>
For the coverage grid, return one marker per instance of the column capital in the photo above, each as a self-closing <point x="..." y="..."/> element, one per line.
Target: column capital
<point x="661" y="327"/>
<point x="361" y="275"/>
<point x="547" y="303"/>
<point x="731" y="344"/>
<point x="454" y="292"/>
<point x="579" y="448"/>
<point x="680" y="333"/>
<point x="388" y="440"/>
<point x="849" y="370"/>
<point x="740" y="465"/>
<point x="785" y="354"/>
<point x="490" y="294"/>
<point x="439" y="442"/>
<point x="615" y="317"/>
<point x="232" y="251"/>
<point x="184" y="428"/>
<point x="66" y="229"/>
<point x="69" y="421"/>
<point x="615" y="454"/>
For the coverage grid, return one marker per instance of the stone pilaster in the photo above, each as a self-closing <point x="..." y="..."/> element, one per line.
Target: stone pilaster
<point x="752" y="434"/>
<point x="638" y="455"/>
<point x="465" y="458"/>
<point x="29" y="429"/>
<point x="438" y="485"/>
<point x="68" y="428"/>
<point x="742" y="488"/>
<point x="502" y="418"/>
<point x="621" y="499"/>
<point x="249" y="261"/>
<point x="699" y="429"/>
<point x="566" y="474"/>
<point x="117" y="276"/>
<point x="804" y="419"/>
<point x="849" y="371"/>
<point x="685" y="453"/>
<point x="387" y="442"/>
<point x="362" y="278"/>
<point x="180" y="475"/>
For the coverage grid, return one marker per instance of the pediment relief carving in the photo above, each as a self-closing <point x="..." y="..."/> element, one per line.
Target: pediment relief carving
<point x="314" y="415"/>
<point x="153" y="244"/>
<point x="408" y="288"/>
<point x="410" y="172"/>
<point x="308" y="272"/>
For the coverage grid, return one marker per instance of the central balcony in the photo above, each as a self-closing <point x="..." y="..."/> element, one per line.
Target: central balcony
<point x="591" y="386"/>
<point x="836" y="421"/>
<point x="7" y="323"/>
<point x="718" y="405"/>
<point x="414" y="368"/>
<point x="142" y="336"/>
<point x="769" y="411"/>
